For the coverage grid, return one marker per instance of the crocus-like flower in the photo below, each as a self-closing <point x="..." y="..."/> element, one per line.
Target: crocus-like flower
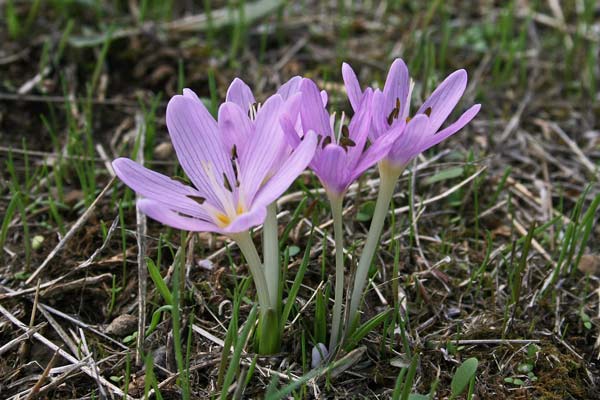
<point x="391" y="108"/>
<point x="390" y="116"/>
<point x="228" y="196"/>
<point x="341" y="156"/>
<point x="339" y="160"/>
<point x="252" y="129"/>
<point x="238" y="167"/>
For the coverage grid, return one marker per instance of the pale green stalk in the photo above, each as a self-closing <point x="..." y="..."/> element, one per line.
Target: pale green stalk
<point x="246" y="245"/>
<point x="271" y="254"/>
<point x="389" y="175"/>
<point x="268" y="332"/>
<point x="336" y="202"/>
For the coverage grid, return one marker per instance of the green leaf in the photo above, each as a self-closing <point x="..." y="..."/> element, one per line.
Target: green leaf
<point x="22" y="275"/>
<point x="293" y="222"/>
<point x="320" y="320"/>
<point x="444" y="175"/>
<point x="366" y="211"/>
<point x="417" y="396"/>
<point x="159" y="282"/>
<point x="156" y="318"/>
<point x="532" y="350"/>
<point x="237" y="352"/>
<point x="410" y="376"/>
<point x="514" y="381"/>
<point x="525" y="368"/>
<point x="293" y="293"/>
<point x="10" y="210"/>
<point x="131" y="338"/>
<point x="587" y="322"/>
<point x="293" y="250"/>
<point x="463" y="375"/>
<point x="365" y="328"/>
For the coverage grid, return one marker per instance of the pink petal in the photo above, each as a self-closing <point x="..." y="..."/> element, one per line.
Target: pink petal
<point x="290" y="88"/>
<point x="379" y="120"/>
<point x="241" y="94"/>
<point x="332" y="168"/>
<point x="289" y="171"/>
<point x="443" y="99"/>
<point x="290" y="133"/>
<point x="292" y="107"/>
<point x="408" y="144"/>
<point x="189" y="93"/>
<point x="352" y="86"/>
<point x="258" y="157"/>
<point x="165" y="215"/>
<point x="377" y="151"/>
<point x="314" y="115"/>
<point x="397" y="85"/>
<point x="250" y="219"/>
<point x="197" y="142"/>
<point x="235" y="125"/>
<point x="457" y="125"/>
<point x="360" y="127"/>
<point x="324" y="97"/>
<point x="158" y="187"/>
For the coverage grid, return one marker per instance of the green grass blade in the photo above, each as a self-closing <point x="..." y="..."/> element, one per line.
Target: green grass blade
<point x="297" y="282"/>
<point x="160" y="284"/>
<point x="365" y="328"/>
<point x="237" y="352"/>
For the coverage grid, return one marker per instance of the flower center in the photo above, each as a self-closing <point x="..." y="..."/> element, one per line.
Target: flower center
<point x="396" y="113"/>
<point x="224" y="220"/>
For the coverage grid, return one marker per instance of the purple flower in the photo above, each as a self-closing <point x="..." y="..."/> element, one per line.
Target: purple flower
<point x="229" y="162"/>
<point x="391" y="109"/>
<point x="341" y="156"/>
<point x="241" y="110"/>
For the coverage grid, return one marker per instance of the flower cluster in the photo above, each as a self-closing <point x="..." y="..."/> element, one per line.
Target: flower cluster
<point x="240" y="164"/>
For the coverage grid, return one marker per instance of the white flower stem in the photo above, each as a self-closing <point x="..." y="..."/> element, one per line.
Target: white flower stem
<point x="389" y="175"/>
<point x="336" y="202"/>
<point x="246" y="245"/>
<point x="271" y="254"/>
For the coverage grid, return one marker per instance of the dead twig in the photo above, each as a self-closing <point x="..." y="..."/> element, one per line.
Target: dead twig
<point x="141" y="230"/>
<point x="62" y="353"/>
<point x="78" y="224"/>
<point x="25" y="336"/>
<point x="36" y="388"/>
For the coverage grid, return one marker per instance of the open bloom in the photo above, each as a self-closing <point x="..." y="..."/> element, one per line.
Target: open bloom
<point x="247" y="125"/>
<point x="390" y="116"/>
<point x="339" y="159"/>
<point x="341" y="156"/>
<point x="231" y="189"/>
<point x="391" y="108"/>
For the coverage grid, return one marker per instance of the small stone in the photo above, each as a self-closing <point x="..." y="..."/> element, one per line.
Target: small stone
<point x="589" y="264"/>
<point x="36" y="242"/>
<point x="163" y="151"/>
<point x="452" y="312"/>
<point x="73" y="197"/>
<point x="123" y="325"/>
<point x="206" y="264"/>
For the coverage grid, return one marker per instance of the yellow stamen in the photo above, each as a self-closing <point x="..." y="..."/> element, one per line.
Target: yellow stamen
<point x="240" y="209"/>
<point x="223" y="219"/>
